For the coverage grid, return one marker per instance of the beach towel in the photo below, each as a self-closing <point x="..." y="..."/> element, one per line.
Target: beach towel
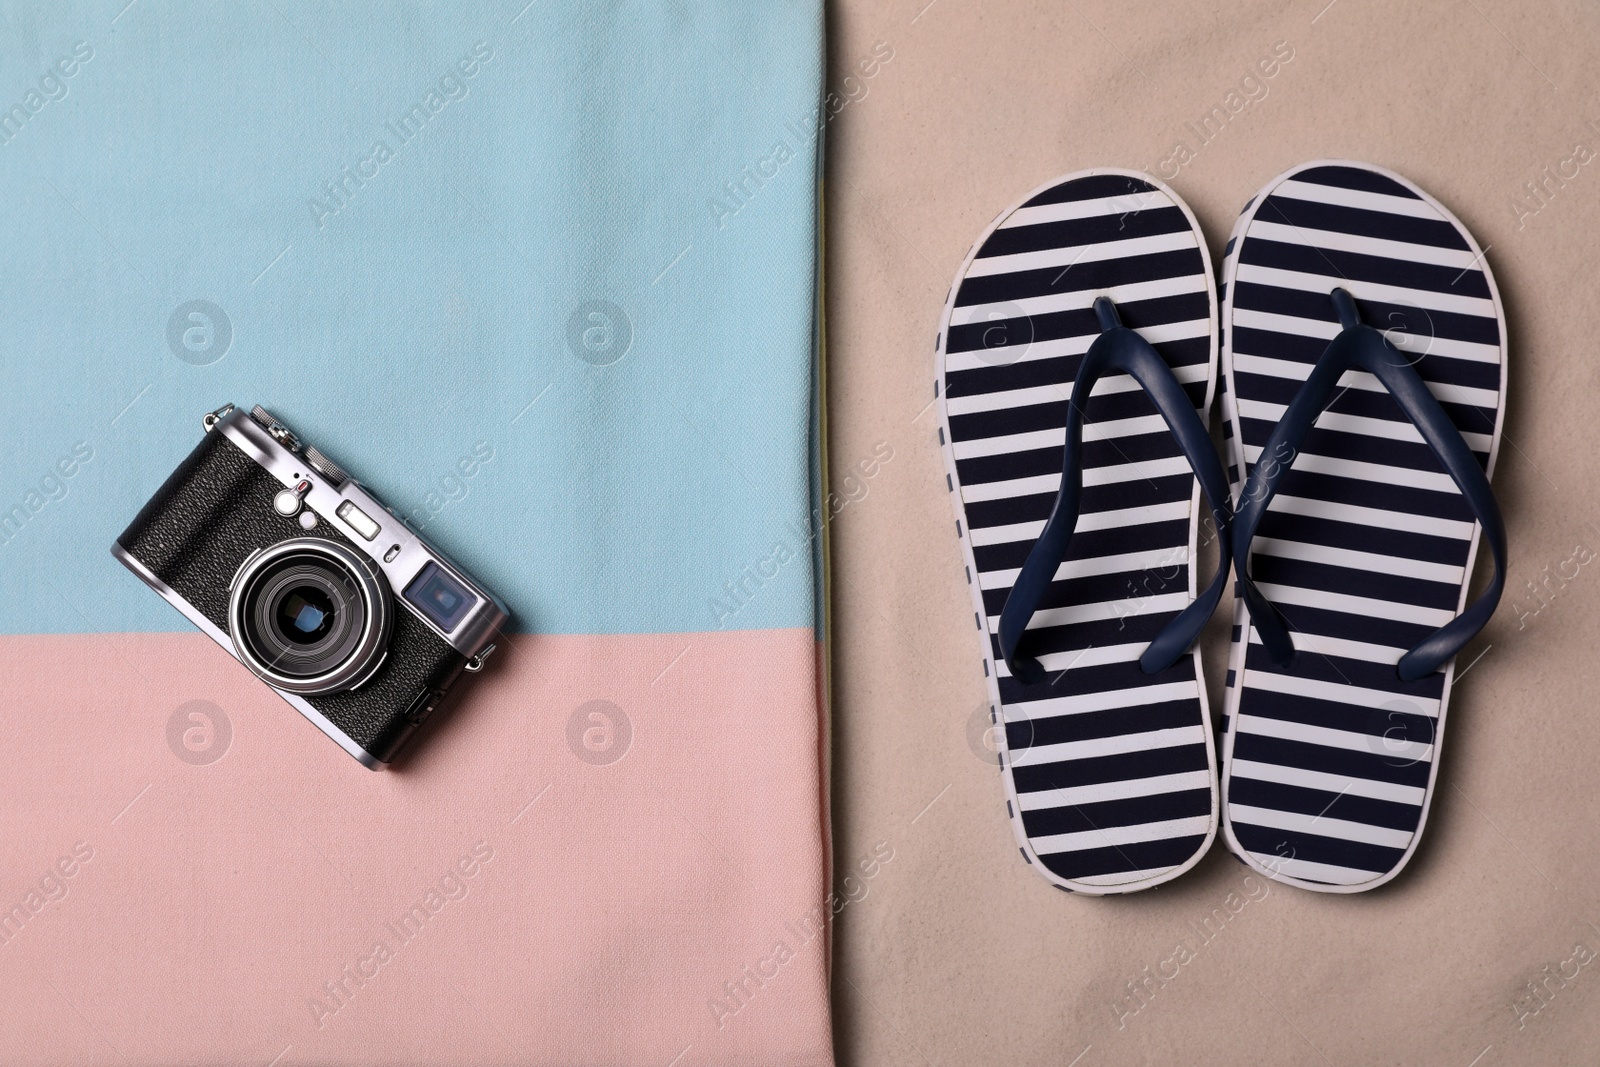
<point x="543" y="276"/>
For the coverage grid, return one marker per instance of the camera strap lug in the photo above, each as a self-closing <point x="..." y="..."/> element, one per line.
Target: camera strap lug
<point x="212" y="418"/>
<point x="475" y="664"/>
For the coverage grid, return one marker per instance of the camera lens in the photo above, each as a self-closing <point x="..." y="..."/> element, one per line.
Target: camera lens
<point x="310" y="616"/>
<point x="305" y="615"/>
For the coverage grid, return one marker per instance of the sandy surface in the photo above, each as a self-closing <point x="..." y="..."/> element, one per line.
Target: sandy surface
<point x="958" y="953"/>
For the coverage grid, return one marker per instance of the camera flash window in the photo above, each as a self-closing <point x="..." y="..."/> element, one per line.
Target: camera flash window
<point x="358" y="520"/>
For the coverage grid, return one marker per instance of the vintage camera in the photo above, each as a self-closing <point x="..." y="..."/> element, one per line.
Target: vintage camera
<point x="293" y="567"/>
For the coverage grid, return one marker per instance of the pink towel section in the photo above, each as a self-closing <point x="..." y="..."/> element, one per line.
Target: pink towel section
<point x="634" y="871"/>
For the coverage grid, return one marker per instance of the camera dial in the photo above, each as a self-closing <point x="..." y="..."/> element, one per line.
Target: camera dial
<point x="326" y="467"/>
<point x="278" y="431"/>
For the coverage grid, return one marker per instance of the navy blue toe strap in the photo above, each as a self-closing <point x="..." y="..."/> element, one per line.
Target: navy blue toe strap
<point x="1118" y="350"/>
<point x="1360" y="347"/>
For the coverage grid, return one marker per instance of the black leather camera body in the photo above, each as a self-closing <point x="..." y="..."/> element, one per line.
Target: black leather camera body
<point x="311" y="582"/>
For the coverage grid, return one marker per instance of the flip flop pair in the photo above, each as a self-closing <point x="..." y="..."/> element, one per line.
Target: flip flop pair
<point x="1362" y="352"/>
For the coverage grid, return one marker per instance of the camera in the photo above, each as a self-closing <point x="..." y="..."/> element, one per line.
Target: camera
<point x="311" y="582"/>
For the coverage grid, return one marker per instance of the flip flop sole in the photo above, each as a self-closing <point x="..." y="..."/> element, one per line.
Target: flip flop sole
<point x="1110" y="774"/>
<point x="1329" y="765"/>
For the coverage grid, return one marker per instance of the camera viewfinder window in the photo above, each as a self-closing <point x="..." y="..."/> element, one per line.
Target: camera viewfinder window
<point x="440" y="597"/>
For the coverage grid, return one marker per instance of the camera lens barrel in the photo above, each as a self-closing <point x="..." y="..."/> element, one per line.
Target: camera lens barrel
<point x="310" y="615"/>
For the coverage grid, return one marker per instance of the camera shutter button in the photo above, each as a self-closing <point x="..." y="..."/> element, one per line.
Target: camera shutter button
<point x="287" y="502"/>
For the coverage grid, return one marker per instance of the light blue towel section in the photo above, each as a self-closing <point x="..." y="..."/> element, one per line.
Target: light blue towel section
<point x="544" y="277"/>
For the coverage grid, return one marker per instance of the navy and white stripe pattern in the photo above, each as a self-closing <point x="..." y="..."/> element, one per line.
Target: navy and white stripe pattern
<point x="1329" y="765"/>
<point x="1110" y="773"/>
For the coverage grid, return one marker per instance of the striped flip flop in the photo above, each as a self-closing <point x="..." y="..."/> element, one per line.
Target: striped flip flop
<point x="1077" y="345"/>
<point x="1364" y="359"/>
